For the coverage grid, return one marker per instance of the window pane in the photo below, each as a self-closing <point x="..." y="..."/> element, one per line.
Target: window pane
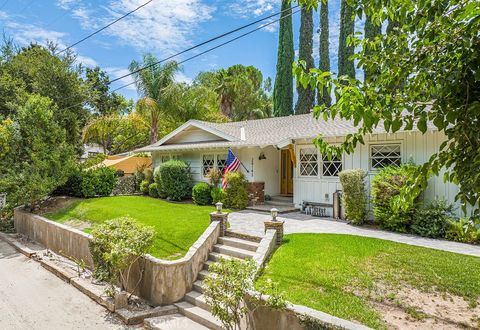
<point x="385" y="155"/>
<point x="308" y="162"/>
<point x="208" y="163"/>
<point x="221" y="162"/>
<point x="332" y="167"/>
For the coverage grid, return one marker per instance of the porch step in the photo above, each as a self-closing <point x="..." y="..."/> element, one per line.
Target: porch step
<point x="172" y="322"/>
<point x="197" y="286"/>
<point x="274" y="203"/>
<point x="233" y="251"/>
<point x="197" y="299"/>
<point x="238" y="243"/>
<point x="207" y="264"/>
<point x="202" y="274"/>
<point x="199" y="315"/>
<point x="281" y="199"/>
<point x="215" y="256"/>
<point x="267" y="207"/>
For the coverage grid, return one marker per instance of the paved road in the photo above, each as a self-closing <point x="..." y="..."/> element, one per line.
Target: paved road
<point x="33" y="298"/>
<point x="251" y="222"/>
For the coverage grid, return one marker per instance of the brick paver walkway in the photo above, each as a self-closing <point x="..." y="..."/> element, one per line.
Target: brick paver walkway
<point x="251" y="222"/>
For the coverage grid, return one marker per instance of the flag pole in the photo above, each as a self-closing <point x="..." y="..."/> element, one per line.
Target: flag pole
<point x="239" y="161"/>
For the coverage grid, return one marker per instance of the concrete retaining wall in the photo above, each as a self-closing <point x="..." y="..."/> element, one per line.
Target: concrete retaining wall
<point x="164" y="281"/>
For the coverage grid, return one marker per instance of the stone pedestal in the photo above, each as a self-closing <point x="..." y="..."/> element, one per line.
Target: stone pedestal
<point x="278" y="226"/>
<point x="222" y="217"/>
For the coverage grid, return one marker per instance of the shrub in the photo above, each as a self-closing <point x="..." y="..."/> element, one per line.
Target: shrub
<point x="174" y="180"/>
<point x="152" y="190"/>
<point x="354" y="197"/>
<point x="463" y="230"/>
<point x="215" y="176"/>
<point x="386" y="188"/>
<point x="106" y="180"/>
<point x="148" y="173"/>
<point x="73" y="186"/>
<point x="116" y="245"/>
<point x="89" y="182"/>
<point x="218" y="195"/>
<point x="236" y="195"/>
<point x="139" y="176"/>
<point x="201" y="194"/>
<point x="433" y="219"/>
<point x="144" y="187"/>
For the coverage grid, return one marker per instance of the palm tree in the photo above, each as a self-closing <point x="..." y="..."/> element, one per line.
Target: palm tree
<point x="152" y="85"/>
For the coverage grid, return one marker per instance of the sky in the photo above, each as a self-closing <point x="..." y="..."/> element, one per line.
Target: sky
<point x="161" y="28"/>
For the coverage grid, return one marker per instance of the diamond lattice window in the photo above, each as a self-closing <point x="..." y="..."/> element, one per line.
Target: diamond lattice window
<point x="385" y="155"/>
<point x="308" y="162"/>
<point x="208" y="163"/>
<point x="332" y="167"/>
<point x="221" y="162"/>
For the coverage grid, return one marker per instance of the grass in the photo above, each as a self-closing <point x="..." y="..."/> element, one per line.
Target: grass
<point x="337" y="273"/>
<point x="177" y="225"/>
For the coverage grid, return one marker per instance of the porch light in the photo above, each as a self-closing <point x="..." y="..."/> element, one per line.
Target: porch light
<point x="219" y="206"/>
<point x="274" y="213"/>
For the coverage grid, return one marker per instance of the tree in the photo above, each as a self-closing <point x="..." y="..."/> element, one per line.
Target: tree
<point x="152" y="85"/>
<point x="346" y="65"/>
<point x="306" y="96"/>
<point x="38" y="158"/>
<point x="427" y="72"/>
<point x="283" y="89"/>
<point x="324" y="62"/>
<point x="371" y="31"/>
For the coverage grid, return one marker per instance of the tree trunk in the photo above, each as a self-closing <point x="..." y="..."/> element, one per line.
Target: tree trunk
<point x="324" y="62"/>
<point x="345" y="65"/>
<point x="371" y="31"/>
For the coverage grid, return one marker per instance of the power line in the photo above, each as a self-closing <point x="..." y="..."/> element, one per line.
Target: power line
<point x="210" y="49"/>
<point x="205" y="42"/>
<point x="105" y="27"/>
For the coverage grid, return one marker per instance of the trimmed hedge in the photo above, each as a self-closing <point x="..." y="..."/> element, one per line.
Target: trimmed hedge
<point x="218" y="195"/>
<point x="144" y="185"/>
<point x="90" y="183"/>
<point x="174" y="180"/>
<point x="152" y="190"/>
<point x="354" y="197"/>
<point x="201" y="194"/>
<point x="236" y="195"/>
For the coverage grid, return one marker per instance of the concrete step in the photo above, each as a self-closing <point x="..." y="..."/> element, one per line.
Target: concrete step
<point x="199" y="315"/>
<point x="215" y="256"/>
<point x="207" y="264"/>
<point x="233" y="251"/>
<point x="273" y="203"/>
<point x="282" y="199"/>
<point x="238" y="243"/>
<point x="198" y="299"/>
<point x="202" y="274"/>
<point x="172" y="322"/>
<point x="197" y="286"/>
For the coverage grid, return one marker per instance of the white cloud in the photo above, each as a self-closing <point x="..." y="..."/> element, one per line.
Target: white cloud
<point x="160" y="26"/>
<point x="245" y="8"/>
<point x="24" y="34"/>
<point x="86" y="61"/>
<point x="3" y="15"/>
<point x="115" y="72"/>
<point x="181" y="77"/>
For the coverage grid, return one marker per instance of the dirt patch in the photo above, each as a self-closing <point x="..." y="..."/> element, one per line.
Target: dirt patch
<point x="78" y="224"/>
<point x="55" y="203"/>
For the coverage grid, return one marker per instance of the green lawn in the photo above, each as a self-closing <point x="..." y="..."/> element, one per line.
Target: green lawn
<point x="177" y="225"/>
<point x="337" y="274"/>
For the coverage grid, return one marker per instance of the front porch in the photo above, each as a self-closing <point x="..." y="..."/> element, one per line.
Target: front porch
<point x="284" y="204"/>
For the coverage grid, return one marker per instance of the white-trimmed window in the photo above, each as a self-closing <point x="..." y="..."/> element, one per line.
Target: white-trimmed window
<point x="308" y="162"/>
<point x="384" y="155"/>
<point x="331" y="167"/>
<point x="210" y="161"/>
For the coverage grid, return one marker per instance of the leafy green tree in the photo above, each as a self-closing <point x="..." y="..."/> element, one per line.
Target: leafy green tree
<point x="346" y="65"/>
<point x="306" y="96"/>
<point x="371" y="31"/>
<point x="38" y="158"/>
<point x="283" y="88"/>
<point x="324" y="62"/>
<point x="427" y="72"/>
<point x="152" y="85"/>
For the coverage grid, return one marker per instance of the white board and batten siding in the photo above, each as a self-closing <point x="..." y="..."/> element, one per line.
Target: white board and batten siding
<point x="415" y="147"/>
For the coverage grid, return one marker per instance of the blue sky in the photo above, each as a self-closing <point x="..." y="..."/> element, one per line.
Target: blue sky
<point x="161" y="27"/>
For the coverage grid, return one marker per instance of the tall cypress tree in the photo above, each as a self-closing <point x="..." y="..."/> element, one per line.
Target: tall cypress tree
<point x="283" y="88"/>
<point x="324" y="63"/>
<point x="346" y="66"/>
<point x="371" y="31"/>
<point x="306" y="96"/>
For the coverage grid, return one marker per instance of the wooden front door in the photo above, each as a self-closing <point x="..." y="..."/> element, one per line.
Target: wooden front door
<point x="286" y="172"/>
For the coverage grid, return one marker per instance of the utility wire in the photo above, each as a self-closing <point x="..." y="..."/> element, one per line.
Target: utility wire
<point x="204" y="43"/>
<point x="105" y="27"/>
<point x="210" y="49"/>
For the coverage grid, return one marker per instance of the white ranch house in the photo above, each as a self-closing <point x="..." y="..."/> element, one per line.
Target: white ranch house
<point x="279" y="155"/>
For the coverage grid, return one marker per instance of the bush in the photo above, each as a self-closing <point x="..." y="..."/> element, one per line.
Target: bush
<point x="174" y="180"/>
<point x="73" y="186"/>
<point x="116" y="245"/>
<point x="236" y="192"/>
<point x="386" y="187"/>
<point x="218" y="195"/>
<point x="433" y="219"/>
<point x="354" y="197"/>
<point x="215" y="177"/>
<point x="148" y="173"/>
<point x="152" y="190"/>
<point x="463" y="230"/>
<point x="144" y="187"/>
<point x="158" y="181"/>
<point x="201" y="194"/>
<point x="106" y="180"/>
<point x="89" y="182"/>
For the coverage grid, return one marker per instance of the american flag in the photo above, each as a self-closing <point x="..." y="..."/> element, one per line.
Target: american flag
<point x="232" y="166"/>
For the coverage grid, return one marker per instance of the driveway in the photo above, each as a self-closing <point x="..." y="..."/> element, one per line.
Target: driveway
<point x="251" y="222"/>
<point x="33" y="298"/>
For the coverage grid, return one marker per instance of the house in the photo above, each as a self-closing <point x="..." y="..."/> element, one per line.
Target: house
<point x="90" y="150"/>
<point x="126" y="164"/>
<point x="280" y="158"/>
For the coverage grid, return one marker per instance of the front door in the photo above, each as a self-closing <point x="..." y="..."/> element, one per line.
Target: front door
<point x="286" y="169"/>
